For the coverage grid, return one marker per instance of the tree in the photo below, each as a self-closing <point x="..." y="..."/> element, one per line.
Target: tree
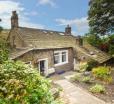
<point x="101" y="16"/>
<point x="111" y="44"/>
<point x="1" y="27"/>
<point x="94" y="40"/>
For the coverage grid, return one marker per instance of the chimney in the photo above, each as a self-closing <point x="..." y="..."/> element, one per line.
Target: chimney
<point x="14" y="20"/>
<point x="68" y="30"/>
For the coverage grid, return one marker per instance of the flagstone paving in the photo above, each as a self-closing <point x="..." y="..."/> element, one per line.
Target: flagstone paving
<point x="77" y="95"/>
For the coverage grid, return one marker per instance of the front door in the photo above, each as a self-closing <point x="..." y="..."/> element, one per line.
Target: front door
<point x="43" y="66"/>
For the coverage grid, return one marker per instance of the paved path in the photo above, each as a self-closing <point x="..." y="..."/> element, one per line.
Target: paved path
<point x="77" y="95"/>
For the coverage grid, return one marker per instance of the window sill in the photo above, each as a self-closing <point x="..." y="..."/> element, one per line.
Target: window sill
<point x="59" y="64"/>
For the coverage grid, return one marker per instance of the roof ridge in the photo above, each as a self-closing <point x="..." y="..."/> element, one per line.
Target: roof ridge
<point x="59" y="33"/>
<point x="42" y="29"/>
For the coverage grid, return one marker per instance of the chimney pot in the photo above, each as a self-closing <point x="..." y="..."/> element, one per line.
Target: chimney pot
<point x="14" y="20"/>
<point x="68" y="30"/>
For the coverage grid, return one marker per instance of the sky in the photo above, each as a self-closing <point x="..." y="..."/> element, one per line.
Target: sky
<point x="47" y="14"/>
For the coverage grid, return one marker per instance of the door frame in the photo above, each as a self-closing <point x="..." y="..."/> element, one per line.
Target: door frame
<point x="46" y="65"/>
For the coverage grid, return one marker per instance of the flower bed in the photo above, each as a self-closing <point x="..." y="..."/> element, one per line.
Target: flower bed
<point x="95" y="85"/>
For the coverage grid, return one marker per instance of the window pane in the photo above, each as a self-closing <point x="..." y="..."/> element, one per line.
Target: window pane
<point x="56" y="58"/>
<point x="63" y="56"/>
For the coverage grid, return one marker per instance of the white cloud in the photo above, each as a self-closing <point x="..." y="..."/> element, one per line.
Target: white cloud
<point x="32" y="25"/>
<point x="6" y="8"/>
<point x="46" y="2"/>
<point x="81" y="25"/>
<point x="32" y="13"/>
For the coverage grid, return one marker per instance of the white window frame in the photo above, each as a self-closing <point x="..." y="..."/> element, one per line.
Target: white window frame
<point x="65" y="56"/>
<point x="56" y="56"/>
<point x="60" y="55"/>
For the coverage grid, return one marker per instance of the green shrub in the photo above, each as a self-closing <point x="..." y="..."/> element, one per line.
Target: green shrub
<point x="91" y="64"/>
<point x="97" y="89"/>
<point x="4" y="51"/>
<point x="20" y="84"/>
<point x="77" y="77"/>
<point x="83" y="66"/>
<point x="86" y="79"/>
<point x="87" y="66"/>
<point x="108" y="79"/>
<point x="102" y="73"/>
<point x="111" y="49"/>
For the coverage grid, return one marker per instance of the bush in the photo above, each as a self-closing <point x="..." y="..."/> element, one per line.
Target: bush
<point x="20" y="84"/>
<point x="108" y="79"/>
<point x="87" y="66"/>
<point x="77" y="77"/>
<point x="3" y="50"/>
<point x="102" y="73"/>
<point x="111" y="49"/>
<point x="83" y="66"/>
<point x="97" y="89"/>
<point x="86" y="79"/>
<point x="91" y="64"/>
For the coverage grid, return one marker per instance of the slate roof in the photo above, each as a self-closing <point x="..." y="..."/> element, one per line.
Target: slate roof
<point x="48" y="39"/>
<point x="41" y="38"/>
<point x="94" y="53"/>
<point x="19" y="52"/>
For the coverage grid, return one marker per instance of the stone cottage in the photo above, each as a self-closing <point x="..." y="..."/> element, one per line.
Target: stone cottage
<point x="49" y="51"/>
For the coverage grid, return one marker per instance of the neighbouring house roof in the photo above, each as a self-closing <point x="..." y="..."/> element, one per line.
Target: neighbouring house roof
<point x="94" y="53"/>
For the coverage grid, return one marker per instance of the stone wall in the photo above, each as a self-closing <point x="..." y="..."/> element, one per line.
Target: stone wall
<point x="36" y="55"/>
<point x="15" y="40"/>
<point x="69" y="65"/>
